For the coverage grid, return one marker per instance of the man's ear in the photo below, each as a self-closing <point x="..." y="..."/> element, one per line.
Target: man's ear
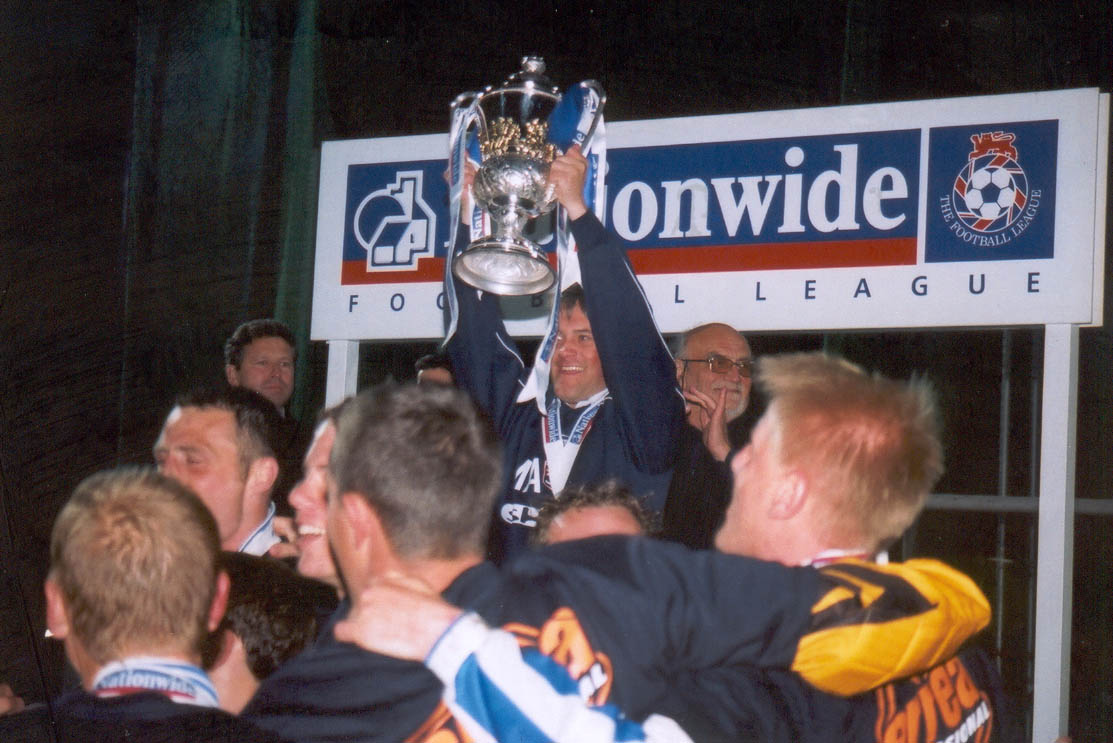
<point x="368" y="533"/>
<point x="789" y="496"/>
<point x="261" y="476"/>
<point x="57" y="620"/>
<point x="220" y="600"/>
<point x="679" y="371"/>
<point x="232" y="374"/>
<point x="361" y="517"/>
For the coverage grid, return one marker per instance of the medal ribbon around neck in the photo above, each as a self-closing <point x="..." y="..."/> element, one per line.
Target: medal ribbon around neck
<point x="561" y="450"/>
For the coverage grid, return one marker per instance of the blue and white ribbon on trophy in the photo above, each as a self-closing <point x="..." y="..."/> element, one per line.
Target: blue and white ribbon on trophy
<point x="463" y="146"/>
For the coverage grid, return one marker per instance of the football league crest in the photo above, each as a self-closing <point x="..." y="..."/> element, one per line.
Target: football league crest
<point x="991" y="190"/>
<point x="999" y="205"/>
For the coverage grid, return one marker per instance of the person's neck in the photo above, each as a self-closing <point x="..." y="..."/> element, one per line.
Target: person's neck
<point x="251" y="521"/>
<point x="89" y="672"/>
<point x="584" y="402"/>
<point x="790" y="543"/>
<point x="439" y="574"/>
<point x="828" y="556"/>
<point x="235" y="683"/>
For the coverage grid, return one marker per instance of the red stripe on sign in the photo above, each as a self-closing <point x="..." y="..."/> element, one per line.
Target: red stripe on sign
<point x="899" y="251"/>
<point x="429" y="269"/>
<point x="835" y="254"/>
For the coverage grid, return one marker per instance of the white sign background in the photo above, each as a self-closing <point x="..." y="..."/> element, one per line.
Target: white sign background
<point x="1065" y="289"/>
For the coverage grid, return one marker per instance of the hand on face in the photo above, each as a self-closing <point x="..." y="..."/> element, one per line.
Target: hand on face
<point x="287" y="531"/>
<point x="714" y="422"/>
<point x="694" y="373"/>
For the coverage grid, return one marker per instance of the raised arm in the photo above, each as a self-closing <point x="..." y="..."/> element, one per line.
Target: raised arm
<point x="485" y="359"/>
<point x="637" y="366"/>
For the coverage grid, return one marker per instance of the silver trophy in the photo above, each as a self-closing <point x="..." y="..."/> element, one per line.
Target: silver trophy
<point x="512" y="182"/>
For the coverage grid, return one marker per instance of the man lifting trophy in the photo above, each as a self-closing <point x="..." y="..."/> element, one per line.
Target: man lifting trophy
<point x="600" y="399"/>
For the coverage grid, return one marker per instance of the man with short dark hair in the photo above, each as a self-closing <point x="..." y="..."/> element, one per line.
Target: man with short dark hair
<point x="260" y="355"/>
<point x="272" y="614"/>
<point x="608" y="407"/>
<point x="606" y="508"/>
<point x="133" y="589"/>
<point x="412" y="479"/>
<point x="218" y="443"/>
<point x="713" y="369"/>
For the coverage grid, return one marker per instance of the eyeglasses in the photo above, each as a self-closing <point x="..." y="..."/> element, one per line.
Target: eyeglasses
<point x="721" y="364"/>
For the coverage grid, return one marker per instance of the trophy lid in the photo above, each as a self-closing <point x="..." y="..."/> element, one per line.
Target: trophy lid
<point x="530" y="78"/>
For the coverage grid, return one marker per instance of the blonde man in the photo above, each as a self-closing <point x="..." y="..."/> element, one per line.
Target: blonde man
<point x="841" y="462"/>
<point x="133" y="590"/>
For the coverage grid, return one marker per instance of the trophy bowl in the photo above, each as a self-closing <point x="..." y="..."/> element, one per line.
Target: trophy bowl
<point x="513" y="182"/>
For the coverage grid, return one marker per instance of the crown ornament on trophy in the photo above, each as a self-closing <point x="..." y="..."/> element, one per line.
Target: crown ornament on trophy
<point x="514" y="124"/>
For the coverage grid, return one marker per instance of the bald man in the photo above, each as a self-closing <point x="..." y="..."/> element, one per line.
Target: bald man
<point x="713" y="367"/>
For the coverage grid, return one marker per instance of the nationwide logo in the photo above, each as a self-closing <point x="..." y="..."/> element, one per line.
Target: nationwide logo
<point x="991" y="191"/>
<point x="407" y="230"/>
<point x="994" y="207"/>
<point x="391" y="229"/>
<point x="829" y="201"/>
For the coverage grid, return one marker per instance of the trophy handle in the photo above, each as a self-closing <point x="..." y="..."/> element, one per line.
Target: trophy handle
<point x="468" y="101"/>
<point x="596" y="88"/>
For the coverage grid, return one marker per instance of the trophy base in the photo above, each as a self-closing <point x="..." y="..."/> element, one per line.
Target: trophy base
<point x="509" y="267"/>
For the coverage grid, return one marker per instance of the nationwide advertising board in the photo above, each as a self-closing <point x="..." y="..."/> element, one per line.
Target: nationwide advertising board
<point x="986" y="211"/>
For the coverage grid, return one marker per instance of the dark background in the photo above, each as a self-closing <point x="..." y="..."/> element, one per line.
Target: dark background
<point x="158" y="186"/>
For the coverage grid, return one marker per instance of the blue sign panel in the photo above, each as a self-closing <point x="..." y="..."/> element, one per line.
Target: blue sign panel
<point x="991" y="192"/>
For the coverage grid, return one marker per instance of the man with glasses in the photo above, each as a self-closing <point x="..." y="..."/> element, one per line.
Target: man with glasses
<point x="713" y="365"/>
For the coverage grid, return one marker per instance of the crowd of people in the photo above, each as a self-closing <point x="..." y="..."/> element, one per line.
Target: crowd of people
<point x="628" y="552"/>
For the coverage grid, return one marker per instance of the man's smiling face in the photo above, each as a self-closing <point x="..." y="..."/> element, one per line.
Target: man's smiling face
<point x="576" y="371"/>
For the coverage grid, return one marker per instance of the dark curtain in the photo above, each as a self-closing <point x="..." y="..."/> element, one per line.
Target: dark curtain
<point x="219" y="198"/>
